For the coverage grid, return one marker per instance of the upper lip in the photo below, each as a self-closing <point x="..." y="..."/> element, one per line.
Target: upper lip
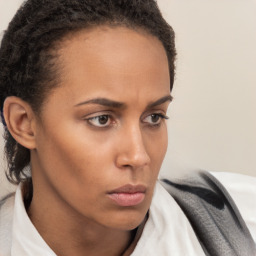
<point x="129" y="189"/>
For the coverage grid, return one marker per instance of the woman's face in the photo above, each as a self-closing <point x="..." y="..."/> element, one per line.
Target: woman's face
<point x="102" y="136"/>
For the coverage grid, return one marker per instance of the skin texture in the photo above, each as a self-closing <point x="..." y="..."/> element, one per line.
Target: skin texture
<point x="80" y="150"/>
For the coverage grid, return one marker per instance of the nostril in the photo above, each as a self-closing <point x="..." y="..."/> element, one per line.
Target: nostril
<point x="127" y="166"/>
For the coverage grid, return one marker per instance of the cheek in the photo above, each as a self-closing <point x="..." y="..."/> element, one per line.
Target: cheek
<point x="75" y="156"/>
<point x="72" y="168"/>
<point x="157" y="146"/>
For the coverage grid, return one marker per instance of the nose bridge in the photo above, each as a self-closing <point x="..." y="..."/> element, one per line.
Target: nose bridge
<point x="134" y="152"/>
<point x="136" y="140"/>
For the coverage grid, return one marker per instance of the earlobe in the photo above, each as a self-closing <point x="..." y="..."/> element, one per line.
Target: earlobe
<point x="19" y="118"/>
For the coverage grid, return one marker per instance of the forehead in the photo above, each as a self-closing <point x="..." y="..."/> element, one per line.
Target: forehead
<point x="113" y="60"/>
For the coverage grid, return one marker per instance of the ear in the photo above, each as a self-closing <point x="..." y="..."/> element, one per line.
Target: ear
<point x="20" y="121"/>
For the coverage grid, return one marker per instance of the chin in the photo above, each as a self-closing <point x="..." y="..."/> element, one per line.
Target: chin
<point x="127" y="220"/>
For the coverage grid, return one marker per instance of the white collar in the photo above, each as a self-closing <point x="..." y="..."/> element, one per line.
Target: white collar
<point x="167" y="231"/>
<point x="26" y="241"/>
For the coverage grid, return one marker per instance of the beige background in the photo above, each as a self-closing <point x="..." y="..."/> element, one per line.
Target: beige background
<point x="212" y="122"/>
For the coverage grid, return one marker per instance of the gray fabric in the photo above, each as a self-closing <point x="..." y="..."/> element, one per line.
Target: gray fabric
<point x="213" y="215"/>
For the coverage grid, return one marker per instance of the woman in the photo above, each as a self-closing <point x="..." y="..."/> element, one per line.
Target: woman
<point x="85" y="87"/>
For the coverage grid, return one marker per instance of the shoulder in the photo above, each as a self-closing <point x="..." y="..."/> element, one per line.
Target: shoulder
<point x="6" y="217"/>
<point x="242" y="189"/>
<point x="212" y="205"/>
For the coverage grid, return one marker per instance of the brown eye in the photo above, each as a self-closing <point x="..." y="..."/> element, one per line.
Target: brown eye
<point x="100" y="121"/>
<point x="103" y="119"/>
<point x="154" y="119"/>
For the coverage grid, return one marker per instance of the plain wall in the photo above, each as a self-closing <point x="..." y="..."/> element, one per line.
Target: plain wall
<point x="212" y="123"/>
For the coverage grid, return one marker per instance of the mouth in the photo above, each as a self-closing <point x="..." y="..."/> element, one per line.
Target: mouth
<point x="128" y="195"/>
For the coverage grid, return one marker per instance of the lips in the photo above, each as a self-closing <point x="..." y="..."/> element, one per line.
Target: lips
<point x="128" y="195"/>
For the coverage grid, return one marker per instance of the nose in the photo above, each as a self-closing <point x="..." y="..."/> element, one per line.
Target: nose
<point x="132" y="151"/>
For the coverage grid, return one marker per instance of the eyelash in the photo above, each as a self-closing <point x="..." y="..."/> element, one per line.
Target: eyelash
<point x="109" y="117"/>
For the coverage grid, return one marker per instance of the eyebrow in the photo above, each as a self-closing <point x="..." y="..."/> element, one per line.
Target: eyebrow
<point x="115" y="104"/>
<point x="103" y="102"/>
<point x="160" y="101"/>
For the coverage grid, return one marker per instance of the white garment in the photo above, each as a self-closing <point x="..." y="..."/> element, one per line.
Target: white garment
<point x="167" y="231"/>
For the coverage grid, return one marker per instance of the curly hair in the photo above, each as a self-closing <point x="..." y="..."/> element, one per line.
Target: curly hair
<point x="27" y="53"/>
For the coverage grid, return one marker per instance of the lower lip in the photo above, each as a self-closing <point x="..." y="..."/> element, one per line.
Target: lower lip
<point x="127" y="199"/>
